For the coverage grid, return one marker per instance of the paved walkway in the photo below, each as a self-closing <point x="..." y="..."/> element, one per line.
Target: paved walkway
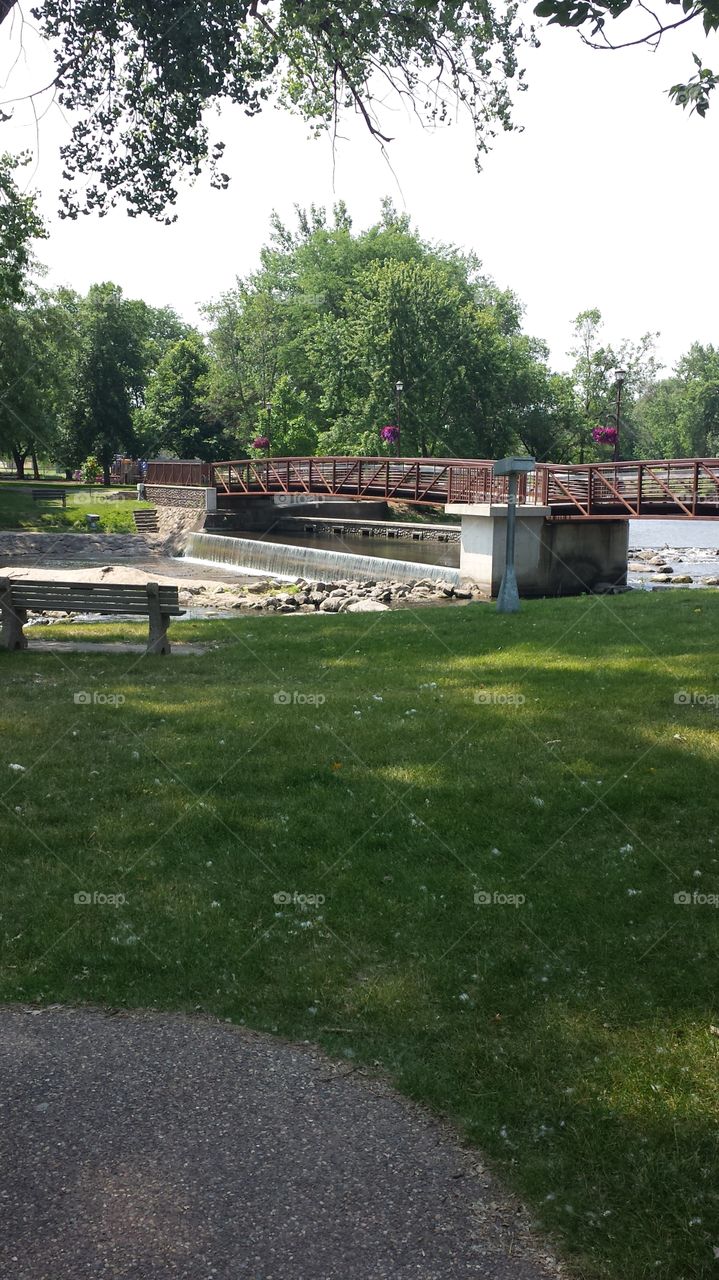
<point x="150" y="1146"/>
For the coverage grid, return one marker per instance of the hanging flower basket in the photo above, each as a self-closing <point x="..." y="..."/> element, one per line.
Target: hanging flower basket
<point x="261" y="442"/>
<point x="604" y="435"/>
<point x="389" y="434"/>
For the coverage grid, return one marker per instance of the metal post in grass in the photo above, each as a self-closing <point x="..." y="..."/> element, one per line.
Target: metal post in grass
<point x="512" y="468"/>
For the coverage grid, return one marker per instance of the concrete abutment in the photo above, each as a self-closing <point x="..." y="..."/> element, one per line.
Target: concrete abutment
<point x="552" y="557"/>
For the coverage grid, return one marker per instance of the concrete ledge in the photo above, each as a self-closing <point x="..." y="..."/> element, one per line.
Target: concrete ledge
<point x="498" y="509"/>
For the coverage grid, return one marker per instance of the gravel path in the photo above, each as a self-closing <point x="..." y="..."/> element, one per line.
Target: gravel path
<point x="147" y="1146"/>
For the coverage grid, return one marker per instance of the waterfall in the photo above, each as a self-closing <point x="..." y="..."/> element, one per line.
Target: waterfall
<point x="277" y="560"/>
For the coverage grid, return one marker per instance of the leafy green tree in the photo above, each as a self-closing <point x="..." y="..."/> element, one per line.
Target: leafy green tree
<point x="679" y="416"/>
<point x="309" y="349"/>
<point x="176" y="417"/>
<point x="412" y="322"/>
<point x="20" y="224"/>
<point x="36" y="345"/>
<point x="595" y="364"/>
<point x="139" y="78"/>
<point x="108" y="376"/>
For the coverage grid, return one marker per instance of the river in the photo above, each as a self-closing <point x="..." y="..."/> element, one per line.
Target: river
<point x="687" y="538"/>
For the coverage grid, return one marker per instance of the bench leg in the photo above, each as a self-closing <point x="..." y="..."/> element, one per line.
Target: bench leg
<point x="159" y="622"/>
<point x="12" y="619"/>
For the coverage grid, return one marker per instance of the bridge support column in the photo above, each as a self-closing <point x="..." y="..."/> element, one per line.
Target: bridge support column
<point x="552" y="557"/>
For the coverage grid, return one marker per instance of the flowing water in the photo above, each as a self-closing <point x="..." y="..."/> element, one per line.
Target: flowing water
<point x="319" y="558"/>
<point x="689" y="545"/>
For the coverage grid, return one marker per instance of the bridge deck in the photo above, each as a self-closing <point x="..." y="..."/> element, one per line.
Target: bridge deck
<point x="679" y="488"/>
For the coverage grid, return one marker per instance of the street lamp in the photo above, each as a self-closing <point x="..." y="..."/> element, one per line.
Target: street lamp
<point x="619" y="377"/>
<point x="512" y="468"/>
<point x="399" y="388"/>
<point x="268" y="407"/>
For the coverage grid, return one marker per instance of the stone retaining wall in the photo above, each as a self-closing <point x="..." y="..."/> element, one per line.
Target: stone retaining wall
<point x="183" y="496"/>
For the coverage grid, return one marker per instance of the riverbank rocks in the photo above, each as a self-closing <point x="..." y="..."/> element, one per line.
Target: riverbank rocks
<point x="357" y="596"/>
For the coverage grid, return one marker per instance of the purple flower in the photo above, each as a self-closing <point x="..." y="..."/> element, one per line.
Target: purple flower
<point x="261" y="442"/>
<point x="390" y="434"/>
<point x="604" y="435"/>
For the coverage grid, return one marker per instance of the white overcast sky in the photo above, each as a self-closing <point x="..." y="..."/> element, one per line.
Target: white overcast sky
<point x="608" y="198"/>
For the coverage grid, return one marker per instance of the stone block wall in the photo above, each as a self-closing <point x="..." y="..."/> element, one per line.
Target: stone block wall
<point x="182" y="496"/>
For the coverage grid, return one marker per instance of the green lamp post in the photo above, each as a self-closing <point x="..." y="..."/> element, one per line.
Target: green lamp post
<point x="512" y="468"/>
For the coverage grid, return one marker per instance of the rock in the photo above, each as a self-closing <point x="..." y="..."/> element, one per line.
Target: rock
<point x="330" y="604"/>
<point x="655" y="559"/>
<point x="347" y="603"/>
<point x="463" y="593"/>
<point x="257" y="588"/>
<point x="681" y="578"/>
<point x="338" y="593"/>
<point x="665" y="568"/>
<point x="638" y="566"/>
<point x="287" y="608"/>
<point x="661" y="580"/>
<point x="711" y="582"/>
<point x="368" y="606"/>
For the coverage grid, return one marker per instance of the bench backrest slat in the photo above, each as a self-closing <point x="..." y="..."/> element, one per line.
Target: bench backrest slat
<point x="91" y="597"/>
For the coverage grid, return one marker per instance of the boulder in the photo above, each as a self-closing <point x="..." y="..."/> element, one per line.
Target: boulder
<point x="681" y="578"/>
<point x="368" y="606"/>
<point x="330" y="604"/>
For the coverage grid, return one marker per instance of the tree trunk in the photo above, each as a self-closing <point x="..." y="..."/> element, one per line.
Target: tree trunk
<point x="19" y="460"/>
<point x="68" y="473"/>
<point x="35" y="467"/>
<point x="106" y="473"/>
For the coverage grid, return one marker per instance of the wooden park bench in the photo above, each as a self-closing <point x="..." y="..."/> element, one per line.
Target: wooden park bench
<point x="20" y="596"/>
<point x="49" y="495"/>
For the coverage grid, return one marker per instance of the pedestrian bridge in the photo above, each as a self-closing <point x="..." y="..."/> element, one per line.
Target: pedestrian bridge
<point x="677" y="488"/>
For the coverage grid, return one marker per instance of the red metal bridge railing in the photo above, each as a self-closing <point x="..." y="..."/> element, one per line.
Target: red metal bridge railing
<point x="684" y="488"/>
<point x="418" y="480"/>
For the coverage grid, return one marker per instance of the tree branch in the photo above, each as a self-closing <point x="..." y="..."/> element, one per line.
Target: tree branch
<point x="650" y="38"/>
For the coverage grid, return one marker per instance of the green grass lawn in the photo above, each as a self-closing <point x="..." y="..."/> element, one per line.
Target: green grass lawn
<point x="18" y="511"/>
<point x="424" y="763"/>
